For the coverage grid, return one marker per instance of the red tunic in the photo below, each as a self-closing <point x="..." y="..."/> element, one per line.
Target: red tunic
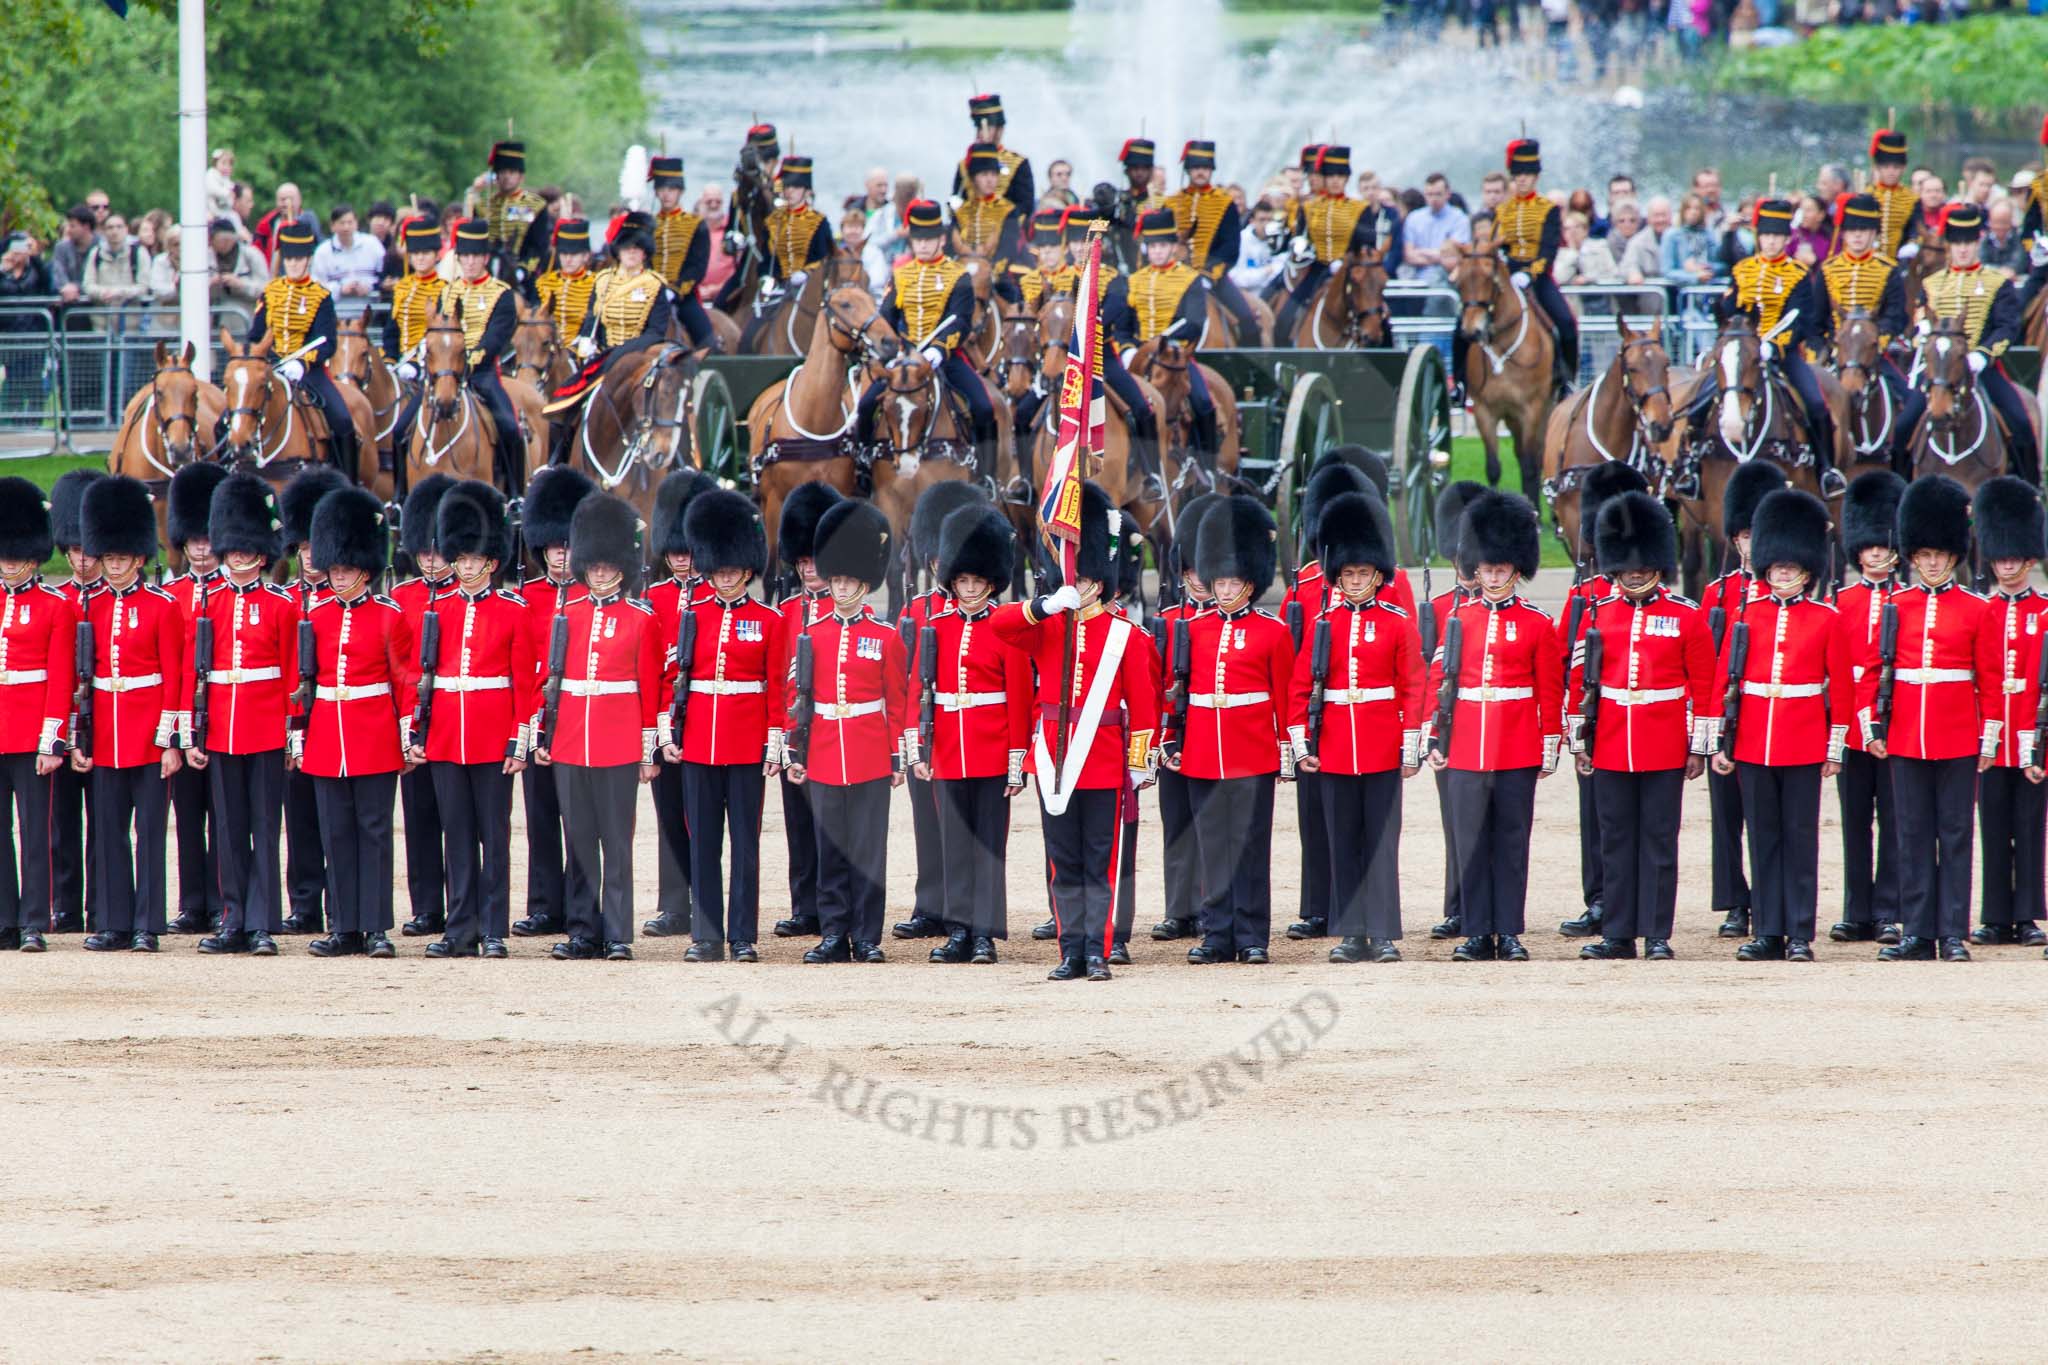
<point x="2009" y="676"/>
<point x="859" y="678"/>
<point x="666" y="598"/>
<point x="184" y="589"/>
<point x="1309" y="588"/>
<point x="1373" y="703"/>
<point x="981" y="713"/>
<point x="1935" y="712"/>
<point x="369" y="666"/>
<point x="1130" y="714"/>
<point x="38" y="668"/>
<point x="1859" y="612"/>
<point x="1510" y="684"/>
<point x="139" y="648"/>
<point x="736" y="667"/>
<point x="1596" y="588"/>
<point x="1241" y="668"/>
<point x="255" y="667"/>
<point x="1798" y="684"/>
<point x="414" y="595"/>
<point x="611" y="692"/>
<point x="486" y="688"/>
<point x="545" y="599"/>
<point x="1656" y="682"/>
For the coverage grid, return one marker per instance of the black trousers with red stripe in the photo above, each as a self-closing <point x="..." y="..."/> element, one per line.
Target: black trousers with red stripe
<point x="852" y="825"/>
<point x="355" y="831"/>
<point x="25" y="877"/>
<point x="130" y="877"/>
<point x="1492" y="813"/>
<point x="1234" y="828"/>
<point x="248" y="815"/>
<point x="1933" y="797"/>
<point x="724" y="800"/>
<point x="672" y="820"/>
<point x="1783" y="806"/>
<point x="1362" y="813"/>
<point x="1638" y="849"/>
<point x="973" y="819"/>
<point x="1081" y="844"/>
<point x="198" y="845"/>
<point x="2012" y="816"/>
<point x="473" y="803"/>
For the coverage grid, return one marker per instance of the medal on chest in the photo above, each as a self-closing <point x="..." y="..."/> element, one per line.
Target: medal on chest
<point x="867" y="647"/>
<point x="1510" y="628"/>
<point x="611" y="628"/>
<point x="1237" y="638"/>
<point x="134" y="623"/>
<point x="748" y="632"/>
<point x="255" y="615"/>
<point x="1370" y="627"/>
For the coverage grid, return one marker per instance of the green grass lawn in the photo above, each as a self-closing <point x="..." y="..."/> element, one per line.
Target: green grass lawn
<point x="1468" y="461"/>
<point x="42" y="471"/>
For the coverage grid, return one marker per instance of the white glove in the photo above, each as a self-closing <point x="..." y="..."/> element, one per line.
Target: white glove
<point x="1520" y="279"/>
<point x="407" y="371"/>
<point x="933" y="356"/>
<point x="1978" y="360"/>
<point x="1301" y="251"/>
<point x="2038" y="255"/>
<point x="796" y="281"/>
<point x="584" y="347"/>
<point x="1909" y="251"/>
<point x="953" y="204"/>
<point x="292" y="370"/>
<point x="1067" y="598"/>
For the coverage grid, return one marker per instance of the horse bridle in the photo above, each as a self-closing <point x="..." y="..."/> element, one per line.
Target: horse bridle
<point x="163" y="426"/>
<point x="1357" y="318"/>
<point x="547" y="360"/>
<point x="1637" y="400"/>
<point x="857" y="338"/>
<point x="258" y="414"/>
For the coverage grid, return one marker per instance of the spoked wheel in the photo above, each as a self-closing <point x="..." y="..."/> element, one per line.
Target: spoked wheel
<point x="715" y="430"/>
<point x="1422" y="450"/>
<point x="1314" y="422"/>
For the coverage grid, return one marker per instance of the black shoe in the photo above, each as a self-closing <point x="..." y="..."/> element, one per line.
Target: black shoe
<point x="1451" y="926"/>
<point x="1070" y="969"/>
<point x="572" y="950"/>
<point x="1954" y="950"/>
<point x="423" y="926"/>
<point x="1351" y="948"/>
<point x="743" y="951"/>
<point x="493" y="948"/>
<point x="536" y="926"/>
<point x="1908" y="949"/>
<point x="667" y="926"/>
<point x="920" y="926"/>
<point x="868" y="952"/>
<point x="1120" y="954"/>
<point x="441" y="947"/>
<point x="984" y="952"/>
<point x="832" y="949"/>
<point x="955" y="949"/>
<point x="67" y="924"/>
<point x="1168" y="930"/>
<point x="262" y="945"/>
<point x="702" y="951"/>
<point x="107" y="941"/>
<point x="1658" y="949"/>
<point x="2030" y="935"/>
<point x="379" y="945"/>
<point x="1384" y="950"/>
<point x="1479" y="948"/>
<point x="1764" y="948"/>
<point x="1208" y="954"/>
<point x="1311" y="927"/>
<point x="224" y="943"/>
<point x="1848" y="931"/>
<point x="1607" y="949"/>
<point x="1798" y="950"/>
<point x="1586" y="925"/>
<point x="1890" y="933"/>
<point x="1985" y="935"/>
<point x="1511" y="949"/>
<point x="189" y="923"/>
<point x="1048" y="930"/>
<point x="618" y="952"/>
<point x="796" y="926"/>
<point x="32" y="942"/>
<point x="303" y="922"/>
<point x="142" y="943"/>
<point x="1098" y="969"/>
<point x="336" y="945"/>
<point x="1256" y="957"/>
<point x="1736" y="925"/>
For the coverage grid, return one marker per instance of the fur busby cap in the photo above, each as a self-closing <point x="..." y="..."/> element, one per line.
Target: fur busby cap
<point x="1500" y="528"/>
<point x="605" y="530"/>
<point x="24" y="522"/>
<point x="1934" y="515"/>
<point x="1326" y="485"/>
<point x="1101" y="529"/>
<point x="1450" y="520"/>
<point x="934" y="506"/>
<point x="296" y="503"/>
<point x="1634" y="533"/>
<point x="1791" y="527"/>
<point x="1608" y="479"/>
<point x="1368" y="462"/>
<point x="67" y="496"/>
<point x="1870" y="511"/>
<point x="796" y="536"/>
<point x="724" y="531"/>
<point x="1749" y="485"/>
<point x="977" y="539"/>
<point x="1355" y="530"/>
<point x="417" y="523"/>
<point x="471" y="520"/>
<point x="118" y="517"/>
<point x="679" y="489"/>
<point x="244" y="518"/>
<point x="1180" y="556"/>
<point x="551" y="498"/>
<point x="1238" y="540"/>
<point x="349" y="532"/>
<point x="2010" y="523"/>
<point x="854" y="542"/>
<point x="191" y="497"/>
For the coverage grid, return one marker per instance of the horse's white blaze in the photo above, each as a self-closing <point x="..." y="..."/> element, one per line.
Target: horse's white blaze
<point x="905" y="411"/>
<point x="1731" y="402"/>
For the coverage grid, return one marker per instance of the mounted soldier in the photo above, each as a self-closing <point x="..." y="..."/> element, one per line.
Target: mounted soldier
<point x="753" y="195"/>
<point x="1052" y="275"/>
<point x="1166" y="300"/>
<point x="1859" y="276"/>
<point x="413" y="298"/>
<point x="1984" y="300"/>
<point x="566" y="289"/>
<point x="296" y="315"/>
<point x="1898" y="205"/>
<point x="1136" y="199"/>
<point x="986" y="223"/>
<point x="1209" y="223"/>
<point x="516" y="218"/>
<point x="1333" y="225"/>
<point x="1015" y="183"/>
<point x="630" y="310"/>
<point x="797" y="239"/>
<point x="681" y="251"/>
<point x="1530" y="231"/>
<point x="484" y="305"/>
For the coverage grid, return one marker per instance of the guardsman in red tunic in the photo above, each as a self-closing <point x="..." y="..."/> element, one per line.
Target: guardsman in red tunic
<point x="796" y="540"/>
<point x="426" y="868"/>
<point x="1723" y="602"/>
<point x="1176" y="816"/>
<point x="934" y="505"/>
<point x="1125" y="598"/>
<point x="1870" y="875"/>
<point x="556" y="883"/>
<point x="857" y="713"/>
<point x="1496" y="728"/>
<point x="366" y="665"/>
<point x="74" y="856"/>
<point x="981" y="722"/>
<point x="305" y="870"/>
<point x="732" y="698"/>
<point x="2012" y="806"/>
<point x="599" y="738"/>
<point x="1930" y="728"/>
<point x="1450" y="522"/>
<point x="238" y="736"/>
<point x="1638" y="722"/>
<point x="138" y="659"/>
<point x="1788" y="688"/>
<point x="1354" y="716"/>
<point x="476" y="711"/>
<point x="190" y="496"/>
<point x="37" y="658"/>
<point x="685" y="584"/>
<point x="1236" y="740"/>
<point x="1112" y="713"/>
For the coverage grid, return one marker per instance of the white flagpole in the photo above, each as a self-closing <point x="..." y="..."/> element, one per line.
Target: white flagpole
<point x="193" y="247"/>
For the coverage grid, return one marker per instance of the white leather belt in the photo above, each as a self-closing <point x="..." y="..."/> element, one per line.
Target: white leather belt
<point x="228" y="677"/>
<point x="1496" y="693"/>
<point x="353" y="691"/>
<point x="579" y="687"/>
<point x="1924" y="676"/>
<point x="1782" y="691"/>
<point x="718" y="688"/>
<point x="9" y="677"/>
<point x="967" y="701"/>
<point x="1355" y="696"/>
<point x="1625" y="696"/>
<point x="473" y="684"/>
<point x="847" y="710"/>
<point x="127" y="684"/>
<point x="1228" y="701"/>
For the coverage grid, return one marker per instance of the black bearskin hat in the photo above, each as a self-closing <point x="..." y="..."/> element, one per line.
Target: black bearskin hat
<point x="244" y="519"/>
<point x="1186" y="522"/>
<point x="1746" y="487"/>
<point x="417" y="522"/>
<point x="67" y="496"/>
<point x="349" y="532"/>
<point x="1355" y="530"/>
<point x="191" y="501"/>
<point x="296" y="503"/>
<point x="977" y="540"/>
<point x="118" y="517"/>
<point x="1450" y="521"/>
<point x="1605" y="480"/>
<point x="934" y="505"/>
<point x="1370" y="463"/>
<point x="605" y="530"/>
<point x="2010" y="524"/>
<point x="1101" y="527"/>
<point x="796" y="537"/>
<point x="1237" y="541"/>
<point x="552" y="496"/>
<point x="723" y="530"/>
<point x="1791" y="527"/>
<point x="854" y="542"/>
<point x="1870" y="511"/>
<point x="1634" y="533"/>
<point x="471" y="520"/>
<point x="1500" y="528"/>
<point x="1329" y="482"/>
<point x="679" y="488"/>
<point x="24" y="522"/>
<point x="1934" y="515"/>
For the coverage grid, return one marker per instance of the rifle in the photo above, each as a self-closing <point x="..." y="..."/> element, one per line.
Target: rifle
<point x="1425" y="615"/>
<point x="1318" y="675"/>
<point x="1294" y="622"/>
<point x="1717" y="624"/>
<point x="1887" y="669"/>
<point x="928" y="677"/>
<point x="686" y="655"/>
<point x="81" y="692"/>
<point x="202" y="664"/>
<point x="1589" y="695"/>
<point x="1731" y="703"/>
<point x="806" y="705"/>
<point x="1177" y="693"/>
<point x="309" y="676"/>
<point x="551" y="690"/>
<point x="1447" y="693"/>
<point x="430" y="658"/>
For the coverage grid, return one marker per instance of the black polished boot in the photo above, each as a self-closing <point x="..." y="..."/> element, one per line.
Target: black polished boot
<point x="1586" y="925"/>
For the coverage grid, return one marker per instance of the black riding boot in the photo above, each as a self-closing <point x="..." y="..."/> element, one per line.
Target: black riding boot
<point x="512" y="463"/>
<point x="342" y="445"/>
<point x="1207" y="442"/>
<point x="1822" y="428"/>
<point x="562" y="437"/>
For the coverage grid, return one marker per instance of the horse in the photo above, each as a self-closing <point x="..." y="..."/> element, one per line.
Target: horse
<point x="1960" y="435"/>
<point x="540" y="355"/>
<point x="983" y="339"/>
<point x="1869" y="420"/>
<point x="783" y="325"/>
<point x="1626" y="415"/>
<point x="452" y="433"/>
<point x="753" y="199"/>
<point x="161" y="426"/>
<point x="797" y="427"/>
<point x="1164" y="364"/>
<point x="1508" y="361"/>
<point x="358" y="362"/>
<point x="636" y="424"/>
<point x="844" y="268"/>
<point x="276" y="431"/>
<point x="1350" y="310"/>
<point x="928" y="440"/>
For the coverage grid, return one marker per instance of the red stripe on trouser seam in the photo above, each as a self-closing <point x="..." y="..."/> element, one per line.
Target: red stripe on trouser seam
<point x="1116" y="867"/>
<point x="1052" y="877"/>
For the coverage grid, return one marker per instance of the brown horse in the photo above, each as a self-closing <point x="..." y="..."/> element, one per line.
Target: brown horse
<point x="164" y="425"/>
<point x="1508" y="360"/>
<point x="453" y="433"/>
<point x="276" y="431"/>
<point x="636" y="424"/>
<point x="1960" y="435"/>
<point x="982" y="343"/>
<point x="1350" y="310"/>
<point x="1625" y="415"/>
<point x="797" y="427"/>
<point x="926" y="440"/>
<point x="540" y="355"/>
<point x="359" y="363"/>
<point x="1870" y="419"/>
<point x="844" y="268"/>
<point x="1165" y="365"/>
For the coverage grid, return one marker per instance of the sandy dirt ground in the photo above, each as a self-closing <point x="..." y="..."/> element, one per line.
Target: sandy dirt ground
<point x="291" y="1159"/>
